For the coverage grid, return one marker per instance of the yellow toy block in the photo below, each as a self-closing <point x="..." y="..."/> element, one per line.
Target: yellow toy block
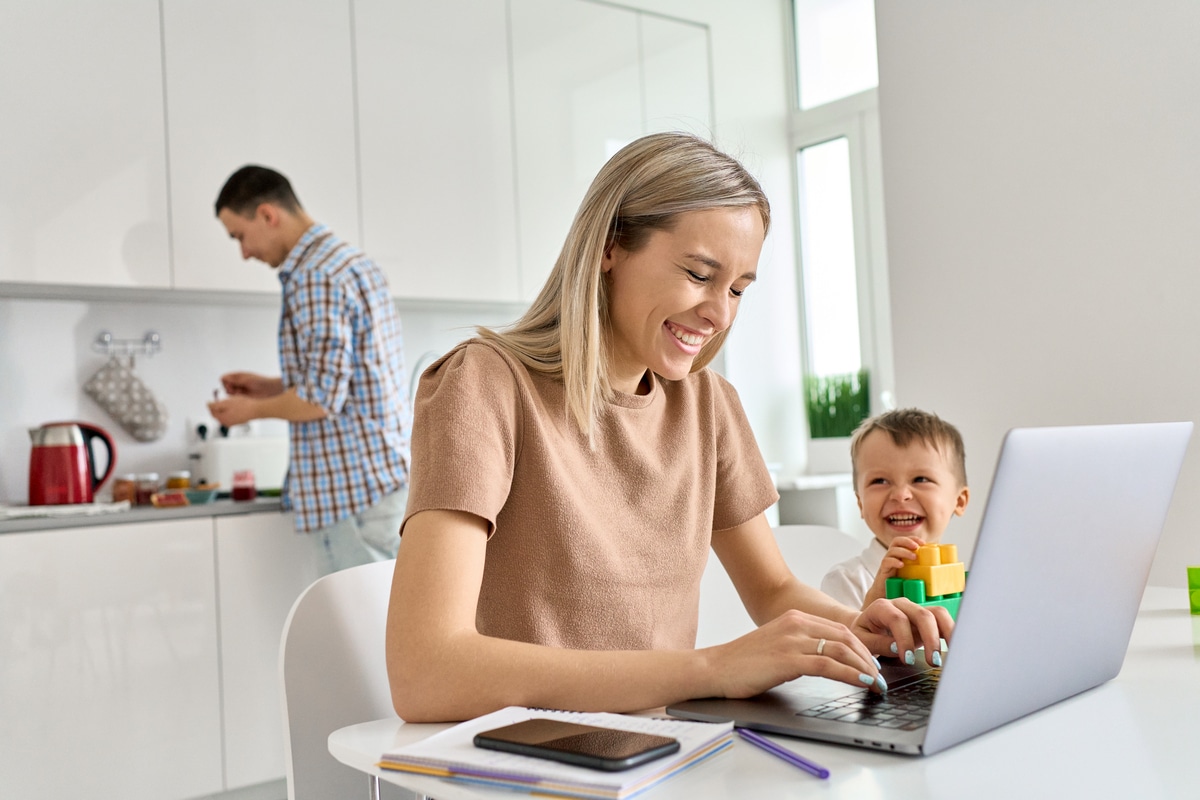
<point x="938" y="566"/>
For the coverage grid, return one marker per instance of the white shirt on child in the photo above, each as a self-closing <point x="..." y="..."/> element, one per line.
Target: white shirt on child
<point x="849" y="581"/>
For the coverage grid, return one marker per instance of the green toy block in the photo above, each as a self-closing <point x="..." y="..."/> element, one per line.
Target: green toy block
<point x="914" y="590"/>
<point x="1193" y="588"/>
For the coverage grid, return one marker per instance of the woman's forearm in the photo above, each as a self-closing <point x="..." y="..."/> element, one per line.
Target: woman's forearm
<point x="468" y="675"/>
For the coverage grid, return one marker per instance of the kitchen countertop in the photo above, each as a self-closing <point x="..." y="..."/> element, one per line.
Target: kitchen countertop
<point x="218" y="508"/>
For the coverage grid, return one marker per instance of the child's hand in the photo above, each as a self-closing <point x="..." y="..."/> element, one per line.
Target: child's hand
<point x="902" y="550"/>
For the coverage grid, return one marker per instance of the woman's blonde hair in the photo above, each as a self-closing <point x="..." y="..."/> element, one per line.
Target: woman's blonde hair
<point x="642" y="189"/>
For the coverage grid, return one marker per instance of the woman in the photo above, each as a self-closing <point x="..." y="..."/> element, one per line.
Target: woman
<point x="570" y="474"/>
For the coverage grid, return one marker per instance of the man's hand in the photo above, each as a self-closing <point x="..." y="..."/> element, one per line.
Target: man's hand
<point x="234" y="410"/>
<point x="249" y="384"/>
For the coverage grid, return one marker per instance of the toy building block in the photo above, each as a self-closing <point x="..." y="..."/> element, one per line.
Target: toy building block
<point x="1194" y="588"/>
<point x="936" y="579"/>
<point x="938" y="566"/>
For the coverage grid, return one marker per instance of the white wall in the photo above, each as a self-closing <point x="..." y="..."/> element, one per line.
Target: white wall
<point x="1042" y="183"/>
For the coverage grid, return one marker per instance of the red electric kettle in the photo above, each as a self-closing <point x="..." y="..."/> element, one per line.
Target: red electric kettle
<point x="62" y="468"/>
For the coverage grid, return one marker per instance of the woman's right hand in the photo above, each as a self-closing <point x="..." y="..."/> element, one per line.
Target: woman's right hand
<point x="787" y="648"/>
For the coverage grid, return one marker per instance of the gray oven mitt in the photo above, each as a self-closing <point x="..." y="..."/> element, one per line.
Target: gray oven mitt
<point x="127" y="400"/>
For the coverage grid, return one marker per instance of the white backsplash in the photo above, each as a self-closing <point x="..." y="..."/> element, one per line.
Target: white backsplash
<point x="46" y="356"/>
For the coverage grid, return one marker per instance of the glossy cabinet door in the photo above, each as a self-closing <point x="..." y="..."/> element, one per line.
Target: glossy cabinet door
<point x="83" y="168"/>
<point x="589" y="78"/>
<point x="435" y="125"/>
<point x="262" y="567"/>
<point x="577" y="101"/>
<point x="267" y="83"/>
<point x="108" y="662"/>
<point x="675" y="76"/>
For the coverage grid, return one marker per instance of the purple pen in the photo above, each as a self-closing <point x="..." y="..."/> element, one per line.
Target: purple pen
<point x="787" y="755"/>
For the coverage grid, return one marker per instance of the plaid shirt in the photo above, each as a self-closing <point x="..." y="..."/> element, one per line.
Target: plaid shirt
<point x="340" y="349"/>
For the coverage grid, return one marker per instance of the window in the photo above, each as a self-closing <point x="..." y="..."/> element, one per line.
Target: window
<point x="839" y="201"/>
<point x="835" y="49"/>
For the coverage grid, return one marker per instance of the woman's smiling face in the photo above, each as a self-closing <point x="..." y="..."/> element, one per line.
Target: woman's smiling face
<point x="668" y="298"/>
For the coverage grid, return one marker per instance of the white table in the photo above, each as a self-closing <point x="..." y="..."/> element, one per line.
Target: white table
<point x="1138" y="736"/>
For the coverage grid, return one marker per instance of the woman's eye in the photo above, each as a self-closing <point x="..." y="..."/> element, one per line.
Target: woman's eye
<point x="737" y="292"/>
<point x="697" y="277"/>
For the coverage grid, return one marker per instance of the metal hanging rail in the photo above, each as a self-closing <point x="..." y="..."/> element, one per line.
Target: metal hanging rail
<point x="148" y="345"/>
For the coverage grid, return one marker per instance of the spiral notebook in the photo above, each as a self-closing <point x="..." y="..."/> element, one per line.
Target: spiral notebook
<point x="451" y="754"/>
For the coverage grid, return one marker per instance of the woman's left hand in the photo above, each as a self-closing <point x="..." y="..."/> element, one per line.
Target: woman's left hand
<point x="897" y="627"/>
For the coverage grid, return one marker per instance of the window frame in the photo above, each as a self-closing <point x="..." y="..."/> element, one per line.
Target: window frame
<point x="856" y="118"/>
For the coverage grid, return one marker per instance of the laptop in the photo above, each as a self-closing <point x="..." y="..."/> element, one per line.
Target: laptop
<point x="1060" y="564"/>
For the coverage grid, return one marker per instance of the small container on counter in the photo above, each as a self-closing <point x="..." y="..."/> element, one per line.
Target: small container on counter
<point x="125" y="488"/>
<point x="147" y="485"/>
<point x="179" y="480"/>
<point x="243" y="485"/>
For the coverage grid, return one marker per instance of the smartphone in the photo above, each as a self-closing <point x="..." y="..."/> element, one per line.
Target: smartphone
<point x="607" y="749"/>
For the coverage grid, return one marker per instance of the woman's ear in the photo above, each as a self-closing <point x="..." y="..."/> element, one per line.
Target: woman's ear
<point x="611" y="253"/>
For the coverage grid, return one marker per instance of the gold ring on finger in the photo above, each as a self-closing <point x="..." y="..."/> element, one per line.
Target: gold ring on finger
<point x="820" y="647"/>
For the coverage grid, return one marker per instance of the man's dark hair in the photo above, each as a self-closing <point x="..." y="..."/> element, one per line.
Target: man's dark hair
<point x="253" y="185"/>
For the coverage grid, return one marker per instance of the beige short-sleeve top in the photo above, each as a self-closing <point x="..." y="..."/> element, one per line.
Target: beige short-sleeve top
<point x="591" y="547"/>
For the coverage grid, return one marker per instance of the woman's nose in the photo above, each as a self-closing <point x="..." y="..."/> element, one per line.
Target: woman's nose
<point x="719" y="311"/>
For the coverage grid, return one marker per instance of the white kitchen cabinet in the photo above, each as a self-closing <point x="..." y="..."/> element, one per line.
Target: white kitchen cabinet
<point x="435" y="127"/>
<point x="589" y="78"/>
<point x="108" y="662"/>
<point x="576" y="102"/>
<point x="267" y="83"/>
<point x="675" y="76"/>
<point x="83" y="170"/>
<point x="262" y="567"/>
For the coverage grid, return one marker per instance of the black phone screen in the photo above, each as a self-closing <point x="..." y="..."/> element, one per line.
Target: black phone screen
<point x="608" y="749"/>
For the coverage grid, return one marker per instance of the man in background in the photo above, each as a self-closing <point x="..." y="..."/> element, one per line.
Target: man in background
<point x="342" y="367"/>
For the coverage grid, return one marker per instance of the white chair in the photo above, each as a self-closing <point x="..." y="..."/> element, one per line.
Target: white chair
<point x="333" y="672"/>
<point x="810" y="550"/>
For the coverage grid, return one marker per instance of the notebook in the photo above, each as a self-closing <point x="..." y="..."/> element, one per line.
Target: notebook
<point x="451" y="754"/>
<point x="1061" y="561"/>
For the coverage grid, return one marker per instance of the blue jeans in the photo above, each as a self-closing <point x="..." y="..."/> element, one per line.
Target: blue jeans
<point x="372" y="535"/>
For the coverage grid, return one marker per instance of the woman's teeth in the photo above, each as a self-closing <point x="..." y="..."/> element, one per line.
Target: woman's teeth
<point x="687" y="338"/>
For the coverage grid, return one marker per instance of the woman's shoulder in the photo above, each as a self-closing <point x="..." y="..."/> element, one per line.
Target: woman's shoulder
<point x="477" y="361"/>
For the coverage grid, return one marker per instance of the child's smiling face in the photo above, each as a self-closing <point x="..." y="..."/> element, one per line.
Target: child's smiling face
<point x="907" y="491"/>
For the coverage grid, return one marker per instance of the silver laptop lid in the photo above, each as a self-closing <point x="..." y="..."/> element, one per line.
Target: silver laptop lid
<point x="1072" y="522"/>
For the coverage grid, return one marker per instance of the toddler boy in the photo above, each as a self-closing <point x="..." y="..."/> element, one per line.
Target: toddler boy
<point x="910" y="478"/>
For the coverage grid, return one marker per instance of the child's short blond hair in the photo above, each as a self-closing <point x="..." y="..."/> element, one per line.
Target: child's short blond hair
<point x="907" y="424"/>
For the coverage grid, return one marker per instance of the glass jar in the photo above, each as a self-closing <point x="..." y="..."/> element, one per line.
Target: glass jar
<point x="179" y="480"/>
<point x="125" y="488"/>
<point x="147" y="484"/>
<point x="243" y="485"/>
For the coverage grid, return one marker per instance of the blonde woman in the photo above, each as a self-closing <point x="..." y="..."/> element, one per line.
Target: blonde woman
<point x="570" y="474"/>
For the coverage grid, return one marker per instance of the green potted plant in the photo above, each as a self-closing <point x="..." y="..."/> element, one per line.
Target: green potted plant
<point x="836" y="404"/>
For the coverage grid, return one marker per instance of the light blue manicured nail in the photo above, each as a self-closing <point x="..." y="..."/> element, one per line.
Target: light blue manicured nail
<point x="882" y="684"/>
<point x="895" y="649"/>
<point x="937" y="658"/>
<point x="909" y="657"/>
<point x="877" y="664"/>
<point x="865" y="678"/>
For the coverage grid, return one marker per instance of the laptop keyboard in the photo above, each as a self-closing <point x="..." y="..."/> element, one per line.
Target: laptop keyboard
<point x="905" y="708"/>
